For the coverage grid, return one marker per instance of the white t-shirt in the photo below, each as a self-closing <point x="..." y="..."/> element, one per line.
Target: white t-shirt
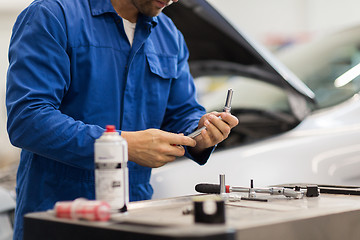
<point x="129" y="30"/>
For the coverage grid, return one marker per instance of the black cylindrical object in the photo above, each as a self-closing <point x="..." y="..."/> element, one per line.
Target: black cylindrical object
<point x="209" y="209"/>
<point x="208" y="188"/>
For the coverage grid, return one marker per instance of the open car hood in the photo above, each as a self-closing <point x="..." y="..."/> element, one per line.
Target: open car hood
<point x="216" y="47"/>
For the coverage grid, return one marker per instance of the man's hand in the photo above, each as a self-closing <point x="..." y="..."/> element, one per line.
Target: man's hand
<point x="154" y="148"/>
<point x="217" y="129"/>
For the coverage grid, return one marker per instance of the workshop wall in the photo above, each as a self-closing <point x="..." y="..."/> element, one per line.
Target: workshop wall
<point x="278" y="22"/>
<point x="8" y="153"/>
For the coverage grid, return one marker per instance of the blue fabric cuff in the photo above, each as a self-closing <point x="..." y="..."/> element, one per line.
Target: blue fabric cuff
<point x="201" y="158"/>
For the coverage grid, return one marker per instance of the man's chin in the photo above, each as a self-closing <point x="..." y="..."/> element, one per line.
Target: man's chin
<point x="155" y="8"/>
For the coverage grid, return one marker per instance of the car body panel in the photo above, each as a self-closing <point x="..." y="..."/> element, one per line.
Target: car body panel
<point x="7" y="207"/>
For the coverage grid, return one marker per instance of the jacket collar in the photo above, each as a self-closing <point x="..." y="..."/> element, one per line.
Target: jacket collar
<point x="99" y="7"/>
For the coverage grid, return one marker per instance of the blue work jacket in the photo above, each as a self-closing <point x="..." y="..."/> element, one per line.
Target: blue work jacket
<point x="72" y="71"/>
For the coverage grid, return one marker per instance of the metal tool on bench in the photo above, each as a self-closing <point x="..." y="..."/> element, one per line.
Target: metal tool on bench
<point x="297" y="193"/>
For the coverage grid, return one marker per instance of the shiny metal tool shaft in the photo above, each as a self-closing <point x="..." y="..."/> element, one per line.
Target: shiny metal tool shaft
<point x="226" y="108"/>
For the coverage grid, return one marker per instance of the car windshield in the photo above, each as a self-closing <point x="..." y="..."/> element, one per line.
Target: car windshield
<point x="329" y="66"/>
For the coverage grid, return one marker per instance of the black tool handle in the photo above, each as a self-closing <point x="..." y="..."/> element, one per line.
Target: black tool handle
<point x="208" y="188"/>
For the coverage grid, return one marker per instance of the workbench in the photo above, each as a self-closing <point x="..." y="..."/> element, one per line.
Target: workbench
<point x="329" y="216"/>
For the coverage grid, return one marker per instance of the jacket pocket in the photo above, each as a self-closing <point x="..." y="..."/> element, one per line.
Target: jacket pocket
<point x="161" y="65"/>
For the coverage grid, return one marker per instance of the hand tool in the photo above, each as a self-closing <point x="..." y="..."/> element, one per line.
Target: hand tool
<point x="226" y="108"/>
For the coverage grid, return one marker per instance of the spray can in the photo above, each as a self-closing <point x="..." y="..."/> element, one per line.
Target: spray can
<point x="111" y="171"/>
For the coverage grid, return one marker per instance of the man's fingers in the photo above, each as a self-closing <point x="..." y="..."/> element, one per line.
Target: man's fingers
<point x="231" y="120"/>
<point x="214" y="131"/>
<point x="180" y="139"/>
<point x="177" y="150"/>
<point x="222" y="127"/>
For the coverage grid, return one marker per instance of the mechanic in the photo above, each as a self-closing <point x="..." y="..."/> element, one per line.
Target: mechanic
<point x="76" y="66"/>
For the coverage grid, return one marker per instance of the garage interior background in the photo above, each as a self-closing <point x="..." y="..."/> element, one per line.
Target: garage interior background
<point x="274" y="24"/>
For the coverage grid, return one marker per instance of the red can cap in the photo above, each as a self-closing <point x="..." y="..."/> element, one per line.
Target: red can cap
<point x="110" y="128"/>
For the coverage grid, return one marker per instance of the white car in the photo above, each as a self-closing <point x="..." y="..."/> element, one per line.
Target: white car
<point x="7" y="208"/>
<point x="7" y="200"/>
<point x="290" y="131"/>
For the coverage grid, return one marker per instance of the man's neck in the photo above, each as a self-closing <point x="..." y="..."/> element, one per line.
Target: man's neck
<point x="126" y="9"/>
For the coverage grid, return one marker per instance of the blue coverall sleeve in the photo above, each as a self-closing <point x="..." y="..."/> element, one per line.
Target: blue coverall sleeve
<point x="37" y="80"/>
<point x="183" y="111"/>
